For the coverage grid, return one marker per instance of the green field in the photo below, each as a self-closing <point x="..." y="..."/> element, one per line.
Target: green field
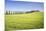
<point x="25" y="21"/>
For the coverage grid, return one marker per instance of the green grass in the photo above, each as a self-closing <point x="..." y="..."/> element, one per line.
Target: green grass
<point x="25" y="21"/>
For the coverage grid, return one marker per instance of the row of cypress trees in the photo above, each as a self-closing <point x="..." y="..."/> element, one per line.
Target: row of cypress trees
<point x="9" y="12"/>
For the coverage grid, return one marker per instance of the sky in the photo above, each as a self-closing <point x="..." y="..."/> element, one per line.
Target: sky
<point x="14" y="5"/>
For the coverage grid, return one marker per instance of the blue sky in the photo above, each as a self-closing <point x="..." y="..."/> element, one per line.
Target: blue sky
<point x="23" y="5"/>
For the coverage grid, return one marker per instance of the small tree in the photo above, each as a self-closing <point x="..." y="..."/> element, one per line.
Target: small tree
<point x="6" y="12"/>
<point x="9" y="12"/>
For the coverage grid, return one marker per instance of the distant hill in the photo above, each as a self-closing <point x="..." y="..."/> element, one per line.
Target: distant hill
<point x="32" y="11"/>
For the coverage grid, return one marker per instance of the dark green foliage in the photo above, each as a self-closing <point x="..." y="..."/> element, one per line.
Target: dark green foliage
<point x="32" y="11"/>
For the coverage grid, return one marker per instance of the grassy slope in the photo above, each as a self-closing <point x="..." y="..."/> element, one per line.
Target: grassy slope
<point x="25" y="21"/>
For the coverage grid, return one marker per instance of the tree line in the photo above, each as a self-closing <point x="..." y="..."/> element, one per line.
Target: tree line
<point x="14" y="12"/>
